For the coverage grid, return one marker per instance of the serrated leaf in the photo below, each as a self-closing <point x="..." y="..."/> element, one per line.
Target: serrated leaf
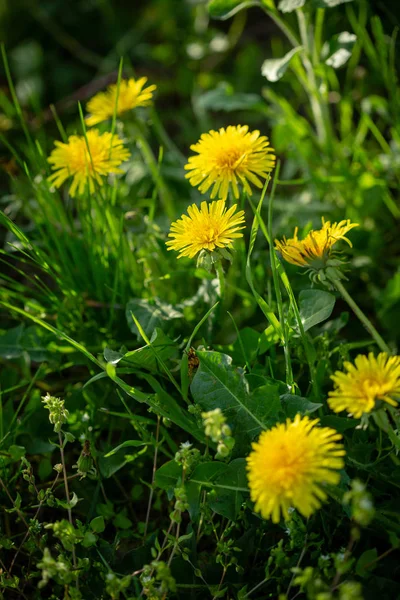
<point x="217" y="384"/>
<point x="287" y="6"/>
<point x="223" y="98"/>
<point x="275" y="68"/>
<point x="150" y="314"/>
<point x="228" y="502"/>
<point x="293" y="405"/>
<point x="10" y="343"/>
<point x="315" y="306"/>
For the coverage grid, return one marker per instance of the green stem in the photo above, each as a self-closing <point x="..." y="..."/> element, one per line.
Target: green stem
<point x="363" y="318"/>
<point x="154" y="169"/>
<point x="278" y="293"/>
<point x="221" y="280"/>
<point x="315" y="99"/>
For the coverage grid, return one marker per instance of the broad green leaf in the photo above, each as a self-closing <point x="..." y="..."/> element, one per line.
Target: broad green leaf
<point x="274" y="68"/>
<point x="150" y="314"/>
<point x="110" y="464"/>
<point x="217" y="384"/>
<point x="224" y="501"/>
<point x="293" y="405"/>
<point x="127" y="444"/>
<point x="224" y="98"/>
<point x="224" y="9"/>
<point x="315" y="306"/>
<point x="338" y="50"/>
<point x="341" y="424"/>
<point x="145" y="357"/>
<point x="97" y="524"/>
<point x="10" y="343"/>
<point x="245" y="347"/>
<point x="287" y="6"/>
<point x="226" y="485"/>
<point x="168" y="475"/>
<point x="364" y="566"/>
<point x="89" y="539"/>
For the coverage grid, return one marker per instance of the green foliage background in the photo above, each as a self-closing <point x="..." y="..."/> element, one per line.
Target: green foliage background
<point x="95" y="310"/>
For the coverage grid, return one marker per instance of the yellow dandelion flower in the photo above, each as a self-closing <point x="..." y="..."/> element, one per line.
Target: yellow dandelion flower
<point x="289" y="464"/>
<point x="131" y="94"/>
<point x="229" y="157"/>
<point x="210" y="227"/>
<point x="369" y="380"/>
<point x="86" y="160"/>
<point x="316" y="248"/>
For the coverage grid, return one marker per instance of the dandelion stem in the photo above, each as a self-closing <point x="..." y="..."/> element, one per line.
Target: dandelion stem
<point x="363" y="318"/>
<point x="154" y="169"/>
<point x="221" y="280"/>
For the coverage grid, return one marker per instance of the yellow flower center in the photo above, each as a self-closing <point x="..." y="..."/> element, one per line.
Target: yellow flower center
<point x="230" y="158"/>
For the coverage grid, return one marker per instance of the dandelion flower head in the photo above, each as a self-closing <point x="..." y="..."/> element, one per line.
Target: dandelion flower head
<point x="210" y="227"/>
<point x="316" y="247"/>
<point x="87" y="161"/>
<point x="131" y="94"/>
<point x="290" y="463"/>
<point x="369" y="380"/>
<point x="228" y="158"/>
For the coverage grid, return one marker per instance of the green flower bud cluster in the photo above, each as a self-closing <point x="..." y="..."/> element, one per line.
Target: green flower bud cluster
<point x="362" y="507"/>
<point x="59" y="569"/>
<point x="115" y="585"/>
<point x="181" y="504"/>
<point x="157" y="580"/>
<point x="187" y="456"/>
<point x="58" y="415"/>
<point x="216" y="428"/>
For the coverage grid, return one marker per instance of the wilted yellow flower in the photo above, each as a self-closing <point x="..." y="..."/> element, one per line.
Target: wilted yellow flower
<point x="316" y="247"/>
<point x="211" y="227"/>
<point x="86" y="160"/>
<point x="369" y="380"/>
<point x="131" y="94"/>
<point x="289" y="464"/>
<point x="229" y="157"/>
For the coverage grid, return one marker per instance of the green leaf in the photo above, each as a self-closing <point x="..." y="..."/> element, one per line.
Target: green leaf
<point x="223" y="98"/>
<point x="274" y="68"/>
<point x="10" y="343"/>
<point x="315" y="306"/>
<point x="287" y="6"/>
<point x="228" y="502"/>
<point x="121" y="521"/>
<point x="224" y="9"/>
<point x="217" y="384"/>
<point x="150" y="314"/>
<point x="338" y="50"/>
<point x="363" y="567"/>
<point x="167" y="476"/>
<point x="16" y="452"/>
<point x="341" y="424"/>
<point x="97" y="524"/>
<point x="128" y="443"/>
<point x="89" y="539"/>
<point x="226" y="484"/>
<point x="293" y="405"/>
<point x="145" y="357"/>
